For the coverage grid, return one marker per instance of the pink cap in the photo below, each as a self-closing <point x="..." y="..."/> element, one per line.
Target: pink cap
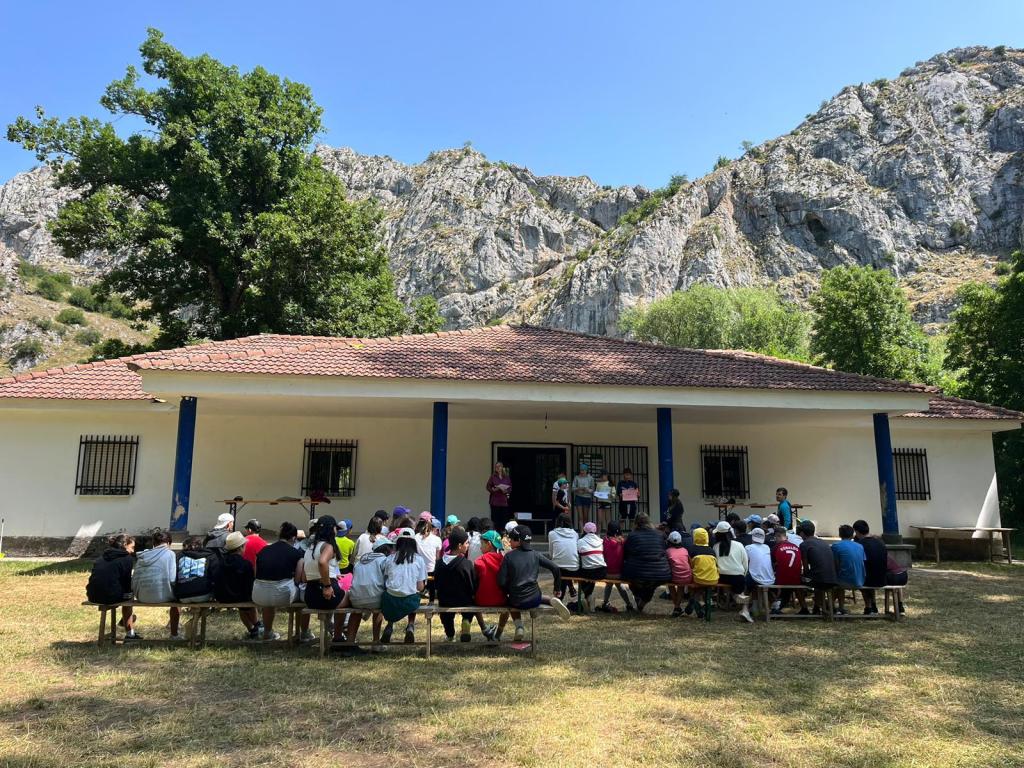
<point x="590" y="528"/>
<point x="426" y="516"/>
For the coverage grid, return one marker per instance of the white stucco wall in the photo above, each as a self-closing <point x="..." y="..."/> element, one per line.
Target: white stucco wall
<point x="261" y="456"/>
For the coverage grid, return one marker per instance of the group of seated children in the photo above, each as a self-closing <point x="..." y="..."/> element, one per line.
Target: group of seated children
<point x="384" y="572"/>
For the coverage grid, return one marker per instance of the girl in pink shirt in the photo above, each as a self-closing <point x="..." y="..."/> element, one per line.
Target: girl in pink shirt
<point x="682" y="574"/>
<point x="613" y="544"/>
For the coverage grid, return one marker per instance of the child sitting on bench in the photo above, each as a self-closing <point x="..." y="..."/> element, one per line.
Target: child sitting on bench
<point x="613" y="545"/>
<point x="111" y="579"/>
<point x="518" y="578"/>
<point x="405" y="575"/>
<point x="455" y="579"/>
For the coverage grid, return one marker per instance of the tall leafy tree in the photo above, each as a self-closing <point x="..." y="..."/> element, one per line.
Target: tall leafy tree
<point x="226" y="223"/>
<point x="706" y="317"/>
<point x="986" y="347"/>
<point x="863" y="325"/>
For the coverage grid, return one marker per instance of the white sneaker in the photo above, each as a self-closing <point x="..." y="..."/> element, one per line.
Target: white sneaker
<point x="560" y="609"/>
<point x="307" y="637"/>
<point x="177" y="638"/>
<point x="272" y="636"/>
<point x="745" y="614"/>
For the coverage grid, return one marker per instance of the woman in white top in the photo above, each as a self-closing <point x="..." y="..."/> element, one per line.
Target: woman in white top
<point x="364" y="544"/>
<point x="429" y="545"/>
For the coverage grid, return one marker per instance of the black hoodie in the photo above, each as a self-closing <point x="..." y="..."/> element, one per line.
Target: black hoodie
<point x="111" y="577"/>
<point x="198" y="570"/>
<point x="455" y="580"/>
<point x="236" y="578"/>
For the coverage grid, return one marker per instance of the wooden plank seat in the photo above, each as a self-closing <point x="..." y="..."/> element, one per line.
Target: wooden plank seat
<point x="427" y="611"/>
<point x="198" y="612"/>
<point x="764" y="602"/>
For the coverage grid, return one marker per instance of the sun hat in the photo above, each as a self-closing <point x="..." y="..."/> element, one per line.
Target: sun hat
<point x="590" y="528"/>
<point x="675" y="538"/>
<point x="342" y="527"/>
<point x="452" y="520"/>
<point x="405" y="533"/>
<point x="510" y="526"/>
<point x="435" y="522"/>
<point x="493" y="539"/>
<point x="755" y="519"/>
<point x="381" y="542"/>
<point x="563" y="481"/>
<point x="773" y="518"/>
<point x="425" y="516"/>
<point x="254" y="526"/>
<point x="348" y="524"/>
<point x="723" y="527"/>
<point x="235" y="540"/>
<point x="757" y="535"/>
<point x="223" y="519"/>
<point x="400" y="511"/>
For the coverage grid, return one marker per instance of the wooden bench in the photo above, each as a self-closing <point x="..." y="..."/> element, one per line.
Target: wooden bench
<point x="427" y="611"/>
<point x="889" y="591"/>
<point x="828" y="614"/>
<point x="196" y="635"/>
<point x="613" y="581"/>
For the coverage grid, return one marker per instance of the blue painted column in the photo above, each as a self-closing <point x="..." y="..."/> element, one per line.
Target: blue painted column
<point x="666" y="479"/>
<point x="886" y="479"/>
<point x="183" y="464"/>
<point x="439" y="462"/>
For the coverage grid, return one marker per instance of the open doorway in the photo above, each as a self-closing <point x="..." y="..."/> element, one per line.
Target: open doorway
<point x="532" y="468"/>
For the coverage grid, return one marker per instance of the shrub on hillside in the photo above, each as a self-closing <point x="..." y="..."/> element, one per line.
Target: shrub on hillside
<point x="51" y="287"/>
<point x="26" y="349"/>
<point x="88" y="337"/>
<point x="82" y="296"/>
<point x="71" y="316"/>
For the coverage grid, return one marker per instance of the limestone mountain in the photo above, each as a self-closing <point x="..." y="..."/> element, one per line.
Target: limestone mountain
<point x="920" y="174"/>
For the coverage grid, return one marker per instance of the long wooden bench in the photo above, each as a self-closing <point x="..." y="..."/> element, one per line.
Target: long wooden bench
<point x="623" y="582"/>
<point x="428" y="612"/>
<point x="196" y="624"/>
<point x="828" y="614"/>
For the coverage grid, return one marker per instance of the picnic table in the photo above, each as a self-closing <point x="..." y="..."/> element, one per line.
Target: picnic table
<point x="937" y="531"/>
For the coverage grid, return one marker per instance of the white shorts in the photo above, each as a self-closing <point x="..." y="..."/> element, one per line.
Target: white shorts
<point x="275" y="594"/>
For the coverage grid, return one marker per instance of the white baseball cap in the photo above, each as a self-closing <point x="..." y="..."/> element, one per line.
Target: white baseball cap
<point x="223" y="520"/>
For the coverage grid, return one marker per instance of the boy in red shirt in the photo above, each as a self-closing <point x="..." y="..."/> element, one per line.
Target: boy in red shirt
<point x="613" y="545"/>
<point x="788" y="566"/>
<point x="488" y="592"/>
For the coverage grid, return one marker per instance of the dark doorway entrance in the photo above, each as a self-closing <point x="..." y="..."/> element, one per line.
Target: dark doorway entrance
<point x="532" y="468"/>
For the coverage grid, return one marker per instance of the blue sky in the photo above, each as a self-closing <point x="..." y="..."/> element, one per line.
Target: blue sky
<point x="623" y="92"/>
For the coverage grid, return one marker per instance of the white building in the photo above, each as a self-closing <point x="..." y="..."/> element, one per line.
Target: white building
<point x="420" y="420"/>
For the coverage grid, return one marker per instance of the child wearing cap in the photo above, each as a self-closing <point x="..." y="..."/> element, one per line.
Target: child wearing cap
<point x="235" y="583"/>
<point x="560" y="499"/>
<point x="405" y="577"/>
<point x="488" y="590"/>
<point x="367" y="590"/>
<point x="253" y="541"/>
<point x="682" y="574"/>
<point x="759" y="564"/>
<point x="592" y="563"/>
<point x="455" y="577"/>
<point x="612" y="546"/>
<point x="518" y="574"/>
<point x="346" y="547"/>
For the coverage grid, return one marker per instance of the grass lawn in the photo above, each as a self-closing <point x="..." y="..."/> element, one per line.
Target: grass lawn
<point x="943" y="688"/>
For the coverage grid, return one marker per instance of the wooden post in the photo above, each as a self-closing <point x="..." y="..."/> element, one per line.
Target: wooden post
<point x="103" y="626"/>
<point x="113" y="626"/>
<point x="323" y="634"/>
<point x="430" y="623"/>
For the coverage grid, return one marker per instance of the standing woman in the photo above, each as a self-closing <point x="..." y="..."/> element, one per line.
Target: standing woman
<point x="320" y="566"/>
<point x="500" y="488"/>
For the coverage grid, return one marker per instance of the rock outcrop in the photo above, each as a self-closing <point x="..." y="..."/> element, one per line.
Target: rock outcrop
<point x="920" y="175"/>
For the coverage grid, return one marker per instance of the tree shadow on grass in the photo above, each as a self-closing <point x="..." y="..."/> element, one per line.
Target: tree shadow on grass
<point x="58" y="568"/>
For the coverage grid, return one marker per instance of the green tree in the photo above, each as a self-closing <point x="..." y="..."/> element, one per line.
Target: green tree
<point x="426" y="316"/>
<point x="228" y="225"/>
<point x="863" y="325"/>
<point x="986" y="349"/>
<point x="706" y="317"/>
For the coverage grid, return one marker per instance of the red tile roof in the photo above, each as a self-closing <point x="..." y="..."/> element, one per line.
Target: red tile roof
<point x="501" y="353"/>
<point x="946" y="407"/>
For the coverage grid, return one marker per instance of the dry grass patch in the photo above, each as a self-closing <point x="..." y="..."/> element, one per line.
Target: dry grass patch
<point x="941" y="689"/>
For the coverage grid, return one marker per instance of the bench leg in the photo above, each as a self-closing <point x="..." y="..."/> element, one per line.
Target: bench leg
<point x="533" y="635"/>
<point x="291" y="628"/>
<point x="323" y="635"/>
<point x="103" y="627"/>
<point x="113" y="626"/>
<point x="202" y="626"/>
<point x="430" y="624"/>
<point x="1008" y="543"/>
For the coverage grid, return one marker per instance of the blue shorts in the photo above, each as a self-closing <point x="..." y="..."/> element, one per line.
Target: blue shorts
<point x="581" y="501"/>
<point x="528" y="604"/>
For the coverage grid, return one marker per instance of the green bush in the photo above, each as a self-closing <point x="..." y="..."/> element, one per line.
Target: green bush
<point x="115" y="307"/>
<point x="959" y="229"/>
<point x="26" y="349"/>
<point x="999" y="50"/>
<point x="1002" y="268"/>
<point x="30" y="271"/>
<point x="82" y="296"/>
<point x="51" y="287"/>
<point x="43" y="323"/>
<point x="111" y="348"/>
<point x="88" y="337"/>
<point x="71" y="316"/>
<point x="721" y="162"/>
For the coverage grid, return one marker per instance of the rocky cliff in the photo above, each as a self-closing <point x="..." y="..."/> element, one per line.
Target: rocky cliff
<point x="920" y="175"/>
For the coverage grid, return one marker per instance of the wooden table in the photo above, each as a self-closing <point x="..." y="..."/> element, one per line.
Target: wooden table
<point x="937" y="531"/>
<point x="236" y="504"/>
<point x="793" y="507"/>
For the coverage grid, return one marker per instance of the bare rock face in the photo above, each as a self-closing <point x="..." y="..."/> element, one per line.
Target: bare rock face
<point x="921" y="175"/>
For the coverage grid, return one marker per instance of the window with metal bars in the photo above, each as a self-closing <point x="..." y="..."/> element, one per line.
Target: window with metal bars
<point x="911" y="466"/>
<point x="724" y="471"/>
<point x="329" y="466"/>
<point x="106" y="465"/>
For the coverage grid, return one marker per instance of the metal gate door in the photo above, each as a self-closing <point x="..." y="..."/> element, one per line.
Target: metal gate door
<point x="613" y="459"/>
